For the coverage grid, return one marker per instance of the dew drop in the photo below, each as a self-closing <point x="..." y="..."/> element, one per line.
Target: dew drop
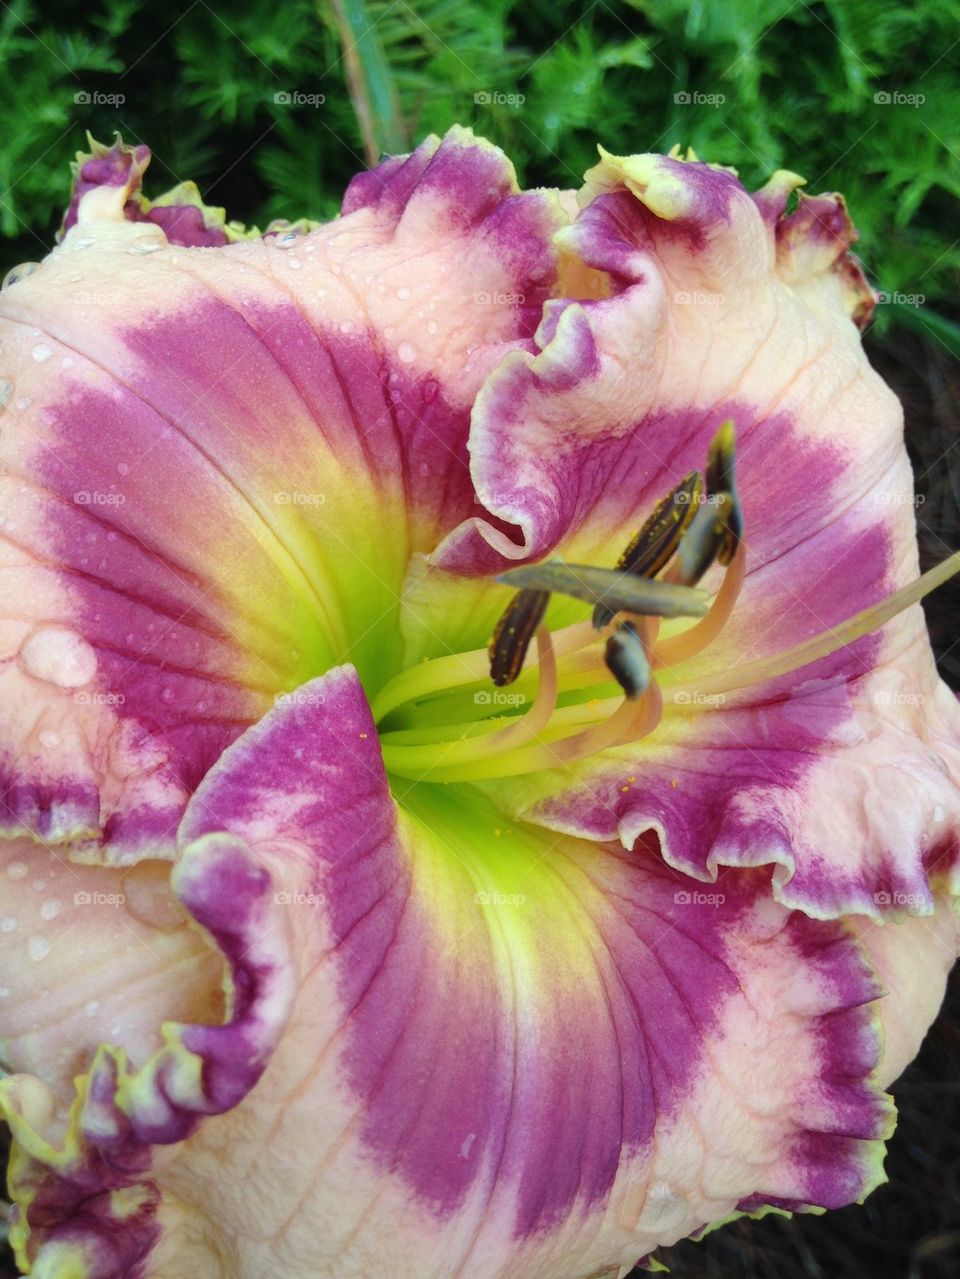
<point x="23" y="403"/>
<point x="294" y="264"/>
<point x="8" y="924"/>
<point x="149" y="244"/>
<point x="406" y="352"/>
<point x="59" y="657"/>
<point x="41" y="353"/>
<point x="17" y="870"/>
<point x="49" y="738"/>
<point x="92" y="1007"/>
<point x="431" y="326"/>
<point x="424" y="469"/>
<point x="38" y="948"/>
<point x="18" y="273"/>
<point x="4" y="991"/>
<point x="403" y="294"/>
<point x="147" y="896"/>
<point x="287" y="240"/>
<point x="51" y="908"/>
<point x="123" y="468"/>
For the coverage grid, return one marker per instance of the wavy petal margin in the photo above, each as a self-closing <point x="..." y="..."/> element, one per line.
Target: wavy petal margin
<point x="497" y="1045"/>
<point x="844" y="774"/>
<point x="198" y="439"/>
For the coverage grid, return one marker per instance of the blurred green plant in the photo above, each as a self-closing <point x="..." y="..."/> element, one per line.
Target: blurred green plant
<point x="271" y="108"/>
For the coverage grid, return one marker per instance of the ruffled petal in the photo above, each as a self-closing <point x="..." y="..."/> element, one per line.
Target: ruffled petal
<point x="510" y="1053"/>
<point x="721" y="306"/>
<point x="215" y="458"/>
<point x="180" y="212"/>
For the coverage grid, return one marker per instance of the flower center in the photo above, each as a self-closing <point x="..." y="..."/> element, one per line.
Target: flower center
<point x="443" y="722"/>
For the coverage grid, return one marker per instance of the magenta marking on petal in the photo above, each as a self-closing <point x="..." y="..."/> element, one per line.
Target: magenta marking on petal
<point x="184" y="224"/>
<point x="46" y="808"/>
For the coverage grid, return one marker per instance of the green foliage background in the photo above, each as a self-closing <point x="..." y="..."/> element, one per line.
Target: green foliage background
<point x="799" y="82"/>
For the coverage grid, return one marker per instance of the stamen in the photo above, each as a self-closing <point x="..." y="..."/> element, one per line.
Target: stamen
<point x="720" y="479"/>
<point x="538" y="716"/>
<point x="658" y="539"/>
<point x="828" y="641"/>
<point x="619" y="591"/>
<point x="678" y="648"/>
<point x="626" y="659"/>
<point x="514" y="631"/>
<point x="710" y="535"/>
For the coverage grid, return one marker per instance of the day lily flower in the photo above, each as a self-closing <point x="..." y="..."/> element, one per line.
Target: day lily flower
<point x="478" y="798"/>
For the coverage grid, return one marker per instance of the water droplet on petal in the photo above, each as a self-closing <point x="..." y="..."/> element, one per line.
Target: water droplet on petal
<point x="403" y="294"/>
<point x="38" y="948"/>
<point x="49" y="738"/>
<point x="406" y="352"/>
<point x="147" y="895"/>
<point x="58" y="656"/>
<point x="8" y="924"/>
<point x="23" y="403"/>
<point x="286" y="240"/>
<point x="41" y="353"/>
<point x="17" y="870"/>
<point x="50" y="909"/>
<point x="149" y="244"/>
<point x="92" y="1007"/>
<point x="6" y="390"/>
<point x="123" y="468"/>
<point x="294" y="264"/>
<point x="18" y="273"/>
